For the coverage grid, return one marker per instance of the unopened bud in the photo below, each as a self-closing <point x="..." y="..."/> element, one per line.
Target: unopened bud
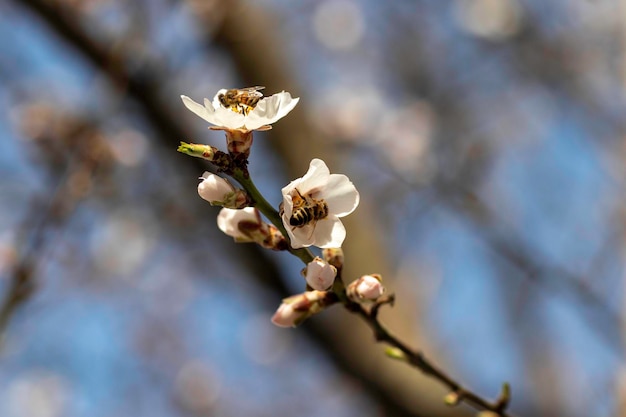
<point x="243" y="225"/>
<point x="220" y="159"/>
<point x="246" y="225"/>
<point x="333" y="256"/>
<point x="297" y="308"/>
<point x="368" y="287"/>
<point x="199" y="151"/>
<point x="214" y="188"/>
<point x="319" y="274"/>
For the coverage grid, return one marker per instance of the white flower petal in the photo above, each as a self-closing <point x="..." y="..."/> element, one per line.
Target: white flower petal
<point x="266" y="108"/>
<point x="315" y="179"/>
<point x="226" y="117"/>
<point x="253" y="122"/>
<point x="207" y="113"/>
<point x="287" y="104"/>
<point x="341" y="195"/>
<point x="300" y="237"/>
<point x="270" y="109"/>
<point x="329" y="233"/>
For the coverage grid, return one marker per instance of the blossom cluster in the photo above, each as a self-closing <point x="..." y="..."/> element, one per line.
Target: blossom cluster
<point x="310" y="212"/>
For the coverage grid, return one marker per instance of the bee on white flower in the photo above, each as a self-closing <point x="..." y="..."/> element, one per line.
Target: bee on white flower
<point x="312" y="207"/>
<point x="243" y="109"/>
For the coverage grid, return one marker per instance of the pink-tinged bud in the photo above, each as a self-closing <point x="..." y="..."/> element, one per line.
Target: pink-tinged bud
<point x="286" y="316"/>
<point x="215" y="189"/>
<point x="297" y="308"/>
<point x="319" y="274"/>
<point x="368" y="287"/>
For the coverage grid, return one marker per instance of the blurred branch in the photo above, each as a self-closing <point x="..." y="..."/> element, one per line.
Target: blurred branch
<point x="467" y="159"/>
<point x="75" y="154"/>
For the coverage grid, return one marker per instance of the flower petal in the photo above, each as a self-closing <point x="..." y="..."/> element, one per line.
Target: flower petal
<point x="270" y="109"/>
<point x="329" y="233"/>
<point x="226" y="117"/>
<point x="287" y="104"/>
<point x="341" y="195"/>
<point x="207" y="113"/>
<point x="300" y="237"/>
<point x="315" y="179"/>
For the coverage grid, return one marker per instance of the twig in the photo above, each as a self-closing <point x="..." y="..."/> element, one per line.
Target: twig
<point x="370" y="316"/>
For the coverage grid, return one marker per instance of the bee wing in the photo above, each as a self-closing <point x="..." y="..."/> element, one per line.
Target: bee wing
<point x="251" y="91"/>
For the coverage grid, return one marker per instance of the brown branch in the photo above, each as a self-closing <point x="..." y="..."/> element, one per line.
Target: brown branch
<point x="419" y="361"/>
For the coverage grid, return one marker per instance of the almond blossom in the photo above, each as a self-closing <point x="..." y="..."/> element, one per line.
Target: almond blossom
<point x="267" y="111"/>
<point x="318" y="187"/>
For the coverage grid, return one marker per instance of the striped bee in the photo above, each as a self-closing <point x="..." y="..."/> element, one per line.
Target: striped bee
<point x="241" y="100"/>
<point x="307" y="210"/>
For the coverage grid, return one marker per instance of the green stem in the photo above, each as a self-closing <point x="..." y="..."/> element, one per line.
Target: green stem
<point x="268" y="211"/>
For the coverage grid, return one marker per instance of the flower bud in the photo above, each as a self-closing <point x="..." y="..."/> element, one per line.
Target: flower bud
<point x="246" y="225"/>
<point x="243" y="225"/>
<point x="368" y="287"/>
<point x="297" y="308"/>
<point x="214" y="188"/>
<point x="319" y="274"/>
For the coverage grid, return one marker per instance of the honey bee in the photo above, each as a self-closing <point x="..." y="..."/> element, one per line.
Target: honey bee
<point x="307" y="210"/>
<point x="241" y="100"/>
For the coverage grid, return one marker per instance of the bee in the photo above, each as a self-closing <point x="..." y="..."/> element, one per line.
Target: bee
<point x="241" y="100"/>
<point x="307" y="210"/>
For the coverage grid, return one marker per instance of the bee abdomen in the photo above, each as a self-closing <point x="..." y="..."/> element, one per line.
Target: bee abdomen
<point x="301" y="216"/>
<point x="305" y="215"/>
<point x="320" y="211"/>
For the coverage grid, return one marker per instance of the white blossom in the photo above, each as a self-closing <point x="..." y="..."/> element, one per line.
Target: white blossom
<point x="267" y="111"/>
<point x="320" y="187"/>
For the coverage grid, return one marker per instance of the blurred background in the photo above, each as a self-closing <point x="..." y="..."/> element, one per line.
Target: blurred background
<point x="487" y="140"/>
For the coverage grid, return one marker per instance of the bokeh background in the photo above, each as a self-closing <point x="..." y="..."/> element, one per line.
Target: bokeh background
<point x="486" y="137"/>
